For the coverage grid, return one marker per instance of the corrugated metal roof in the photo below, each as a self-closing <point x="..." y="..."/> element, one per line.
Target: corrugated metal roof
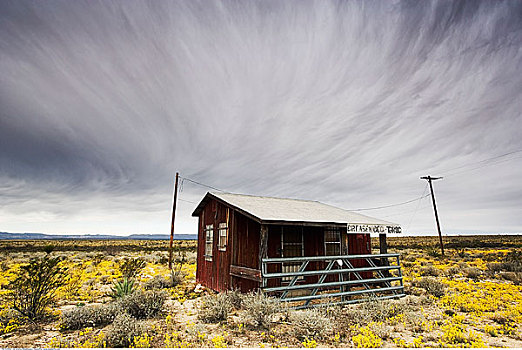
<point x="293" y="210"/>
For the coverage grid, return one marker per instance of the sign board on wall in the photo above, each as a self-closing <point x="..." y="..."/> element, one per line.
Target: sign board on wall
<point x="362" y="228"/>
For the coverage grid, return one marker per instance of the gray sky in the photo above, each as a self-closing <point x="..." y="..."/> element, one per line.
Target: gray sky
<point x="347" y="103"/>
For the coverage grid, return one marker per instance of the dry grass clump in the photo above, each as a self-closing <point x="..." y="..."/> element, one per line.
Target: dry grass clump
<point x="175" y="277"/>
<point x="139" y="304"/>
<point x="380" y="329"/>
<point x="510" y="263"/>
<point x="236" y="298"/>
<point x="310" y="323"/>
<point x="215" y="308"/>
<point x="259" y="309"/>
<point x="453" y="271"/>
<point x="473" y="273"/>
<point x="374" y="310"/>
<point x="515" y="277"/>
<point x="142" y="304"/>
<point x="88" y="316"/>
<point x="123" y="330"/>
<point x="429" y="270"/>
<point x="157" y="282"/>
<point x="431" y="285"/>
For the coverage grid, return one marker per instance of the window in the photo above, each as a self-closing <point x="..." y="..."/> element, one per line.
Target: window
<point x="292" y="242"/>
<point x="209" y="240"/>
<point x="332" y="241"/>
<point x="223" y="231"/>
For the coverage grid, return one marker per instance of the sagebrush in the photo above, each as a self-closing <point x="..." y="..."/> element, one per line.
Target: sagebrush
<point x="258" y="310"/>
<point x="310" y="323"/>
<point x="123" y="330"/>
<point x="143" y="304"/>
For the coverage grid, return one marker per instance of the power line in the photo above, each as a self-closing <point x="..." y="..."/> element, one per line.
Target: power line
<point x="184" y="200"/>
<point x="417" y="208"/>
<point x="360" y="209"/>
<point x="202" y="184"/>
<point x="420" y="207"/>
<point x="482" y="166"/>
<point x="448" y="171"/>
<point x="391" y="205"/>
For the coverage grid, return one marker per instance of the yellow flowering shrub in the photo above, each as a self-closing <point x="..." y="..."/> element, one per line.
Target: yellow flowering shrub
<point x="141" y="341"/>
<point x="455" y="334"/>
<point x="366" y="339"/>
<point x="309" y="343"/>
<point x="219" y="341"/>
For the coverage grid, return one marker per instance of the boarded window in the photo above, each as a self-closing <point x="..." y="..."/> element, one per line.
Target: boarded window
<point x="332" y="241"/>
<point x="223" y="233"/>
<point x="209" y="241"/>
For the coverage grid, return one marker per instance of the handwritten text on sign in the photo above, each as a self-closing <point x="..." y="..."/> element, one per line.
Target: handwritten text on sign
<point x="356" y="228"/>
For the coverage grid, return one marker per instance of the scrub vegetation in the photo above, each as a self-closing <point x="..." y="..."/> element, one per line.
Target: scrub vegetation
<point x="122" y="294"/>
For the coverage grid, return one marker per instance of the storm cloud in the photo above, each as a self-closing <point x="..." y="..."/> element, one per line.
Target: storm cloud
<point x="345" y="102"/>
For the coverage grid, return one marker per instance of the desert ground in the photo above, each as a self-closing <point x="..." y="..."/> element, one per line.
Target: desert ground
<point x="122" y="294"/>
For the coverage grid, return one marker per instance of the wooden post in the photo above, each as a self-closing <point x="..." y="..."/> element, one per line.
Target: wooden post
<point x="173" y="218"/>
<point x="383" y="249"/>
<point x="383" y="245"/>
<point x="263" y="248"/>
<point x="429" y="178"/>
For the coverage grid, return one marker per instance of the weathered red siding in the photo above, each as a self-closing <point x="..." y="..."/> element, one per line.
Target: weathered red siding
<point x="214" y="274"/>
<point x="360" y="243"/>
<point x="246" y="250"/>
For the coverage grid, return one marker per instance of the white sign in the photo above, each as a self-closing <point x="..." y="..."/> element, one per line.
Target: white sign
<point x="358" y="228"/>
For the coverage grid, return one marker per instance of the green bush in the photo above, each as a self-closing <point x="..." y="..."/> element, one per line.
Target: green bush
<point x="89" y="316"/>
<point x="34" y="288"/>
<point x="142" y="304"/>
<point x="123" y="330"/>
<point x="122" y="288"/>
<point x="130" y="268"/>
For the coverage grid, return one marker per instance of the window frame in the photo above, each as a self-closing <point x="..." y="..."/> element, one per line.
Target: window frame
<point x="209" y="241"/>
<point x="336" y="230"/>
<point x="291" y="267"/>
<point x="222" y="236"/>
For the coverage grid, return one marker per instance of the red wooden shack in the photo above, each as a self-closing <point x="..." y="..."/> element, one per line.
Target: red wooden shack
<point x="236" y="232"/>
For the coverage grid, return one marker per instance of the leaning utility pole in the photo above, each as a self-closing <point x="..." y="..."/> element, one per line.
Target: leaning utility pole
<point x="429" y="178"/>
<point x="173" y="217"/>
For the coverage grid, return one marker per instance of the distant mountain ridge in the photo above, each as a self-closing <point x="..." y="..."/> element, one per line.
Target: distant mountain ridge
<point x="26" y="235"/>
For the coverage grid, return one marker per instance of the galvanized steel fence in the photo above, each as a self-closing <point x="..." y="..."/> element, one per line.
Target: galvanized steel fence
<point x="337" y="281"/>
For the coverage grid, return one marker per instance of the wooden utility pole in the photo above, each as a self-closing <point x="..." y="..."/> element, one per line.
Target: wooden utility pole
<point x="430" y="179"/>
<point x="173" y="218"/>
